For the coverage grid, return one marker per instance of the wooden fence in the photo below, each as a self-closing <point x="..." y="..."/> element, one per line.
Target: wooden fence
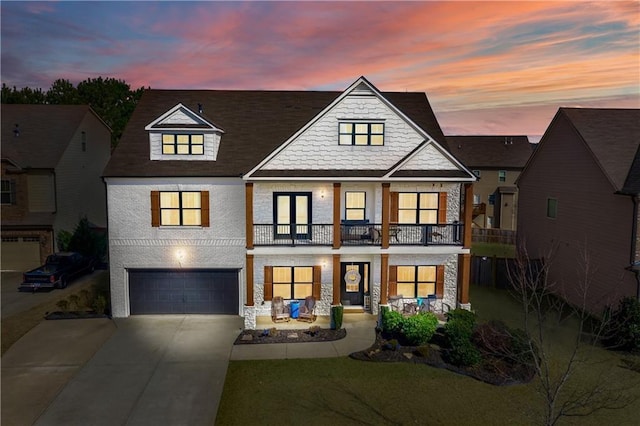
<point x="491" y="235"/>
<point x="494" y="271"/>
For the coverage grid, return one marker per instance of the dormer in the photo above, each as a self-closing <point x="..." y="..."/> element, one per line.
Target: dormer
<point x="181" y="134"/>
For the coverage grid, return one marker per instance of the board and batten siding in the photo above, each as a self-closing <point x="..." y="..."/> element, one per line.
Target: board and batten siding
<point x="590" y="218"/>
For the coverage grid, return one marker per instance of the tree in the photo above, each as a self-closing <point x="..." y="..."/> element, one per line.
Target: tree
<point x="11" y="95"/>
<point x="62" y="92"/>
<point x="574" y="379"/>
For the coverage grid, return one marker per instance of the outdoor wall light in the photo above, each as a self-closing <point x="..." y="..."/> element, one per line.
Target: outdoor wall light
<point x="180" y="254"/>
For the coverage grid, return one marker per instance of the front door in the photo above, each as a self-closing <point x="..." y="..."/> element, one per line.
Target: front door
<point x="355" y="282"/>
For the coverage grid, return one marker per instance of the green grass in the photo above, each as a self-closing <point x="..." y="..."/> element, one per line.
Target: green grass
<point x="493" y="249"/>
<point x="342" y="391"/>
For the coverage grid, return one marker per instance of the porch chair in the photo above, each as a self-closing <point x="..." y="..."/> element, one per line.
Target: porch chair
<point x="307" y="309"/>
<point x="279" y="311"/>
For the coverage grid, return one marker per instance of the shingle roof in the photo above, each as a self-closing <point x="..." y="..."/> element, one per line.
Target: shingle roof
<point x="498" y="151"/>
<point x="44" y="132"/>
<point x="255" y="123"/>
<point x="613" y="136"/>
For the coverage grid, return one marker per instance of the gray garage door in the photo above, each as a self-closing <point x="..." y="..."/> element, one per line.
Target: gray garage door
<point x="161" y="291"/>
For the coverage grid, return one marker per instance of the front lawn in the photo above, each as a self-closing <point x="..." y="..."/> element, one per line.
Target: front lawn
<point x="345" y="391"/>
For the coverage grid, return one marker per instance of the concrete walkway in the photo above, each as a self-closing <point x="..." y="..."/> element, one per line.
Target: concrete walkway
<point x="147" y="370"/>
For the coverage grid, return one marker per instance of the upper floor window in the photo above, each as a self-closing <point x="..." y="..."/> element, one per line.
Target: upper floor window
<point x="180" y="208"/>
<point x="182" y="144"/>
<point x="502" y="175"/>
<point x="355" y="203"/>
<point x="292" y="214"/>
<point x="7" y="193"/>
<point x="476" y="172"/>
<point x="361" y="133"/>
<point x="418" y="207"/>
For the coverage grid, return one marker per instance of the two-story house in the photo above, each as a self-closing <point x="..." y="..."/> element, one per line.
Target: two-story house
<point x="497" y="161"/>
<point x="52" y="162"/>
<point x="221" y="200"/>
<point x="578" y="207"/>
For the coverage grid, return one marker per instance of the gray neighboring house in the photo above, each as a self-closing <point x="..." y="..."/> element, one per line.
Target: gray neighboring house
<point x="579" y="194"/>
<point x="52" y="161"/>
<point x="497" y="160"/>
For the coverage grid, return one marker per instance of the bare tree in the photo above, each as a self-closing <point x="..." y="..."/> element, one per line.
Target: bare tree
<point x="574" y="377"/>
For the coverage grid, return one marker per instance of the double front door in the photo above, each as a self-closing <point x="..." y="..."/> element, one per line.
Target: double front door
<point x="355" y="282"/>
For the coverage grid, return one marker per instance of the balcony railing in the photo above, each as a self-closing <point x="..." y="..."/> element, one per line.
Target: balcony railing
<point x="358" y="234"/>
<point x="292" y="235"/>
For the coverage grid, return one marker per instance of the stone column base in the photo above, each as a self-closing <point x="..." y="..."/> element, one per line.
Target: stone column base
<point x="465" y="306"/>
<point x="250" y="317"/>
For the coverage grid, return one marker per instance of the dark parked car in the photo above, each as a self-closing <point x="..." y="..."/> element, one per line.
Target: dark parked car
<point x="58" y="271"/>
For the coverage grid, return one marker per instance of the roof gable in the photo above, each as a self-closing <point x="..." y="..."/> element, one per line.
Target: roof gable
<point x="430" y="160"/>
<point x="316" y="145"/>
<point x="180" y="117"/>
<point x="44" y="132"/>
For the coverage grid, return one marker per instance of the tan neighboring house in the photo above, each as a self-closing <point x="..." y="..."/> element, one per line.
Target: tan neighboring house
<point x="497" y="161"/>
<point x="579" y="194"/>
<point x="52" y="161"/>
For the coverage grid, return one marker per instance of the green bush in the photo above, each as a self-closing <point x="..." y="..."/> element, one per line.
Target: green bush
<point x="458" y="330"/>
<point x="418" y="329"/>
<point x="391" y="322"/>
<point x="337" y="313"/>
<point x="623" y="328"/>
<point x="99" y="304"/>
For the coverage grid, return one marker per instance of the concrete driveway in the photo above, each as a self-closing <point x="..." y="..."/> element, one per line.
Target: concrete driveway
<point x="146" y="370"/>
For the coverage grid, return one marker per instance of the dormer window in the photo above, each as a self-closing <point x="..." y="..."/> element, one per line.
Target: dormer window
<point x="182" y="144"/>
<point x="358" y="133"/>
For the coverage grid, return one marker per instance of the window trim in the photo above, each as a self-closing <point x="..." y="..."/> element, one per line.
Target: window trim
<point x="347" y="208"/>
<point x="502" y="175"/>
<point x="292" y="214"/>
<point x="9" y="192"/>
<point x="175" y="143"/>
<point x="156" y="210"/>
<point x="353" y="132"/>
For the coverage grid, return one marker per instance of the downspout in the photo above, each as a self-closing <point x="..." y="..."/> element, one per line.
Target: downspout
<point x="635" y="265"/>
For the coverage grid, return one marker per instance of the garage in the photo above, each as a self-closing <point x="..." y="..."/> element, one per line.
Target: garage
<point x="20" y="253"/>
<point x="200" y="291"/>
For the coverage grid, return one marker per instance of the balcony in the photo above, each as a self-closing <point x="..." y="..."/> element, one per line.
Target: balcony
<point x="364" y="234"/>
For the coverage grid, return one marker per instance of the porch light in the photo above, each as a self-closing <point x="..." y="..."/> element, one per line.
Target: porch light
<point x="180" y="254"/>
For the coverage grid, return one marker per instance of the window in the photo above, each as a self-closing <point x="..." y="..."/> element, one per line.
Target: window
<point x="355" y="203"/>
<point x="502" y="175"/>
<point x="182" y="144"/>
<point x="292" y="215"/>
<point x="476" y="199"/>
<point x="492" y="199"/>
<point x="7" y="192"/>
<point x="418" y="207"/>
<point x="292" y="282"/>
<point x="476" y="172"/>
<point x="416" y="281"/>
<point x="361" y="134"/>
<point x="552" y="208"/>
<point x="180" y="208"/>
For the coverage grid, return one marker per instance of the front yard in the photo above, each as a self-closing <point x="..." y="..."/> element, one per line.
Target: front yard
<point x="346" y="391"/>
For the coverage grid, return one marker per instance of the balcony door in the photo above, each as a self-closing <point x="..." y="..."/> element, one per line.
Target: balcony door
<point x="292" y="215"/>
<point x="355" y="282"/>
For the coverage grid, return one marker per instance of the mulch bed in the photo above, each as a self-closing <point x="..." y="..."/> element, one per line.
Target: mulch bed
<point x="58" y="315"/>
<point x="490" y="370"/>
<point x="248" y="337"/>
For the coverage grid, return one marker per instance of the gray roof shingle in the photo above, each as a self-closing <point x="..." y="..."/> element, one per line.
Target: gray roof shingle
<point x="255" y="123"/>
<point x="44" y="132"/>
<point x="497" y="151"/>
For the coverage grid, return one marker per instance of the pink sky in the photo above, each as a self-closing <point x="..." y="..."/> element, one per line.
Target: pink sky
<point x="487" y="67"/>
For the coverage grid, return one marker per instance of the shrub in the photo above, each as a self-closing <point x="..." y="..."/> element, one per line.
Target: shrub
<point x="337" y="313"/>
<point x="458" y="330"/>
<point x="63" y="305"/>
<point x="391" y="322"/>
<point x="496" y="339"/>
<point x="418" y="329"/>
<point x="74" y="302"/>
<point x="392" y="345"/>
<point x="623" y="329"/>
<point x="99" y="304"/>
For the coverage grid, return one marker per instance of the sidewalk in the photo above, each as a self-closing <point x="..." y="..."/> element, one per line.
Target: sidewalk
<point x="360" y="335"/>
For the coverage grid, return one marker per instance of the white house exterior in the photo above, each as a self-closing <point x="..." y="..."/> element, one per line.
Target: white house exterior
<point x="350" y="197"/>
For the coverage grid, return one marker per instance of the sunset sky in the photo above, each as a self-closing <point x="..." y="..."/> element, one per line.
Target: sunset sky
<point x="487" y="67"/>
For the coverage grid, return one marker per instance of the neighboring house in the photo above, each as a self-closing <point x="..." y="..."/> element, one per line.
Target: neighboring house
<point x="497" y="161"/>
<point x="52" y="162"/>
<point x="579" y="195"/>
<point x="221" y="200"/>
